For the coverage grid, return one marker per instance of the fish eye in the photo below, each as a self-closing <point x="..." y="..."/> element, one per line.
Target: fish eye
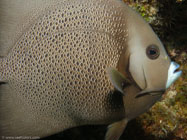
<point x="153" y="52"/>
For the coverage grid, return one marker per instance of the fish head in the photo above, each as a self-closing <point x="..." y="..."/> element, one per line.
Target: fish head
<point x="151" y="68"/>
<point x="149" y="65"/>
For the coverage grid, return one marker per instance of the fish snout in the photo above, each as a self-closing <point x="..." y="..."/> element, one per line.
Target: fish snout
<point x="173" y="74"/>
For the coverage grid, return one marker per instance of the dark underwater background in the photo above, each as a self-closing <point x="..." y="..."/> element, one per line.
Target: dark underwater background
<point x="167" y="119"/>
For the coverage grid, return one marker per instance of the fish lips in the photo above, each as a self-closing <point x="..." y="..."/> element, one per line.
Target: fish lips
<point x="173" y="73"/>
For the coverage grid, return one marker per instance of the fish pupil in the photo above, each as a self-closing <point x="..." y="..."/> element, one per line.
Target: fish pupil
<point x="152" y="52"/>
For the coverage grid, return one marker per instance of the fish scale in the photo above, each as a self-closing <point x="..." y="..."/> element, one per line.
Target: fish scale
<point x="57" y="68"/>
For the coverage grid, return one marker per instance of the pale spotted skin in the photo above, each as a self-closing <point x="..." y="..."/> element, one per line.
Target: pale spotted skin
<point x="56" y="71"/>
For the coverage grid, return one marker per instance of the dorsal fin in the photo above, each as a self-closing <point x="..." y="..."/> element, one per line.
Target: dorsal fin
<point x="15" y="17"/>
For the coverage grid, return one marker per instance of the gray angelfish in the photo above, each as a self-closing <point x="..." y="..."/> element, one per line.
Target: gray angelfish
<point x="62" y="61"/>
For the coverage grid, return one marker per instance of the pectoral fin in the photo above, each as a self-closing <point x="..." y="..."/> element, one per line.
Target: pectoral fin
<point x="115" y="130"/>
<point x="117" y="79"/>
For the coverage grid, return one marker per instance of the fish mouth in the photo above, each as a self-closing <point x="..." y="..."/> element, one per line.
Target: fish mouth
<point x="173" y="74"/>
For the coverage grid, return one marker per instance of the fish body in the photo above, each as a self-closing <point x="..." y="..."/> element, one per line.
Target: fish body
<point x="56" y="70"/>
<point x="55" y="77"/>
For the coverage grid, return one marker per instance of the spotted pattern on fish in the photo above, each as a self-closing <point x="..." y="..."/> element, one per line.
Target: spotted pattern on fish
<point x="57" y="69"/>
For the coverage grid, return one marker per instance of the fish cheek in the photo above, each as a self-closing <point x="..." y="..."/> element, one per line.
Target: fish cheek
<point x="156" y="72"/>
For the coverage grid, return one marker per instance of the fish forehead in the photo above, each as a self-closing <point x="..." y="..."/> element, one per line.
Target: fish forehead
<point x="59" y="64"/>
